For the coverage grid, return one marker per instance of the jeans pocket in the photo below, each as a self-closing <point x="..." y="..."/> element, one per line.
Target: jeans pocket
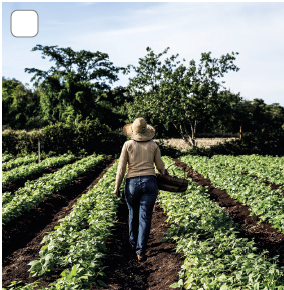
<point x="130" y="192"/>
<point x="152" y="187"/>
<point x="131" y="188"/>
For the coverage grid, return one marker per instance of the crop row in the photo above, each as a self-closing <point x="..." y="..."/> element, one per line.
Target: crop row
<point x="215" y="257"/>
<point x="6" y="157"/>
<point x="264" y="167"/>
<point x="19" y="161"/>
<point x="266" y="203"/>
<point x="29" y="169"/>
<point x="34" y="192"/>
<point x="78" y="244"/>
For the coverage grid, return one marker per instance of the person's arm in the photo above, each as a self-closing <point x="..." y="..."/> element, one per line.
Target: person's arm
<point x="121" y="169"/>
<point x="159" y="162"/>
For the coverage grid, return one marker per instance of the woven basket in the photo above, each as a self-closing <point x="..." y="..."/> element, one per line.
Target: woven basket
<point x="171" y="183"/>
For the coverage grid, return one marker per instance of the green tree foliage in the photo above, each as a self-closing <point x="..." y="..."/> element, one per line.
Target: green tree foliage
<point x="77" y="86"/>
<point x="20" y="105"/>
<point x="257" y="117"/>
<point x="176" y="94"/>
<point x="227" y="119"/>
<point x="114" y="112"/>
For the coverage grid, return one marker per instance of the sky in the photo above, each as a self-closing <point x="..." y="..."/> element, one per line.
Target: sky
<point x="124" y="30"/>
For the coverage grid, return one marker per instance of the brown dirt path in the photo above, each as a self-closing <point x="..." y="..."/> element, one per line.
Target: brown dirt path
<point x="158" y="272"/>
<point x="265" y="237"/>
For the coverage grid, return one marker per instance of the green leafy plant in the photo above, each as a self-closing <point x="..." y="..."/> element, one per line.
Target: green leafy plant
<point x="266" y="168"/>
<point x="6" y="157"/>
<point x="19" y="161"/>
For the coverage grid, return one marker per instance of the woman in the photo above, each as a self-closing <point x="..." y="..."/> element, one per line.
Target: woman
<point x="140" y="188"/>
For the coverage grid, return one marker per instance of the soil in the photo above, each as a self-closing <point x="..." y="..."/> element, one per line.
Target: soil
<point x="158" y="272"/>
<point x="264" y="235"/>
<point x="22" y="237"/>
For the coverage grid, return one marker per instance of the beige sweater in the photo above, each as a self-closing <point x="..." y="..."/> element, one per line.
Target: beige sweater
<point x="140" y="157"/>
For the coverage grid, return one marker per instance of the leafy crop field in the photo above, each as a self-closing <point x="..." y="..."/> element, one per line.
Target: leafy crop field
<point x="18" y="161"/>
<point x="266" y="203"/>
<point x="215" y="257"/>
<point x="35" y="192"/>
<point x="265" y="168"/>
<point x="66" y="230"/>
<point x="23" y="171"/>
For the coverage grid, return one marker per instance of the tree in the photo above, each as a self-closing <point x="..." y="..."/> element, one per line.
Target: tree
<point x="176" y="94"/>
<point x="20" y="105"/>
<point x="227" y="108"/>
<point x="75" y="86"/>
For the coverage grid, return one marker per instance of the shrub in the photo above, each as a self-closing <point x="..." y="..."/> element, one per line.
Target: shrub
<point x="85" y="137"/>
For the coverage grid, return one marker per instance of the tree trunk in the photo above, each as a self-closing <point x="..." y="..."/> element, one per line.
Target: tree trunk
<point x="185" y="136"/>
<point x="193" y="133"/>
<point x="241" y="133"/>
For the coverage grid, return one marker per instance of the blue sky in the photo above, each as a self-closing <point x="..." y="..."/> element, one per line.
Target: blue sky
<point x="125" y="29"/>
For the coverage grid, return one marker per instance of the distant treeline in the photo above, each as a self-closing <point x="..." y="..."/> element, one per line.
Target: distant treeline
<point x="21" y="109"/>
<point x="179" y="100"/>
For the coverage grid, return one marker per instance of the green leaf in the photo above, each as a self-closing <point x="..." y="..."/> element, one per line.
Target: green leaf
<point x="74" y="270"/>
<point x="175" y="285"/>
<point x="102" y="283"/>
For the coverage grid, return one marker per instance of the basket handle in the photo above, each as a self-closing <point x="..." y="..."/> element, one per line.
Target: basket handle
<point x="172" y="169"/>
<point x="174" y="172"/>
<point x="170" y="166"/>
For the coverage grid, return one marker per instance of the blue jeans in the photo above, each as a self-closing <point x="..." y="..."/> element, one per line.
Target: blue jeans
<point x="140" y="193"/>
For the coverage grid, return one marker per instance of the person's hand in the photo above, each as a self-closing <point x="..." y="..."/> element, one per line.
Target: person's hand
<point x="116" y="192"/>
<point x="166" y="172"/>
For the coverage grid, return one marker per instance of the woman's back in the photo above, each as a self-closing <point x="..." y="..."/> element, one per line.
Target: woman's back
<point x="141" y="158"/>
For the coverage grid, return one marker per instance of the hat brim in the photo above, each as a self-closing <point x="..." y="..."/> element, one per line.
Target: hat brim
<point x="149" y="133"/>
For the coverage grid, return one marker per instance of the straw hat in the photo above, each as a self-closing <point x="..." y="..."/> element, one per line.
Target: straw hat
<point x="139" y="130"/>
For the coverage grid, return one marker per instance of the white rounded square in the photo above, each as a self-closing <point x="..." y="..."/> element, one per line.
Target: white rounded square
<point x="24" y="23"/>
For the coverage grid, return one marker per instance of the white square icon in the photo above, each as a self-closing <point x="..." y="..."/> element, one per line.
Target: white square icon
<point x="24" y="23"/>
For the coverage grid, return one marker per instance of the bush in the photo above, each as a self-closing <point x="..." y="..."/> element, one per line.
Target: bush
<point x="83" y="138"/>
